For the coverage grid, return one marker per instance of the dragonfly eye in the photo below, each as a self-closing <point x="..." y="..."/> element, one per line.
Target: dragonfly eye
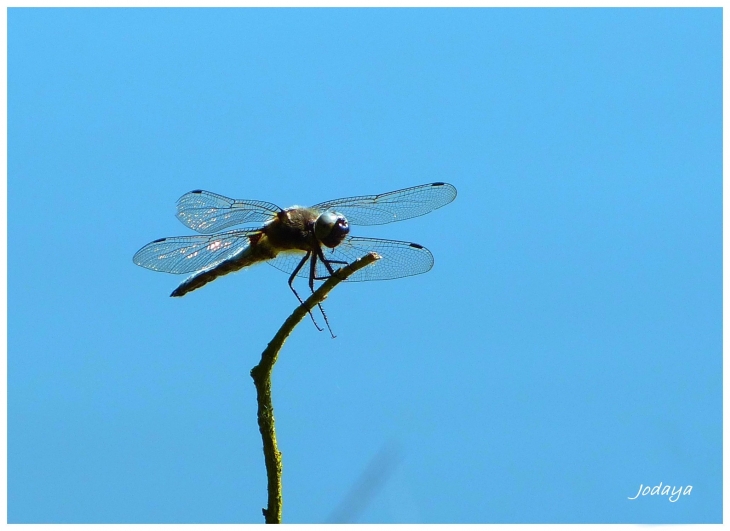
<point x="331" y="228"/>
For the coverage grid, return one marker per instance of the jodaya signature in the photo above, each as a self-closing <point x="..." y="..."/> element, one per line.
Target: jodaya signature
<point x="666" y="490"/>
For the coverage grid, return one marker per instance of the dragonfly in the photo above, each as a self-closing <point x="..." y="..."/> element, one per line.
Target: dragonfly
<point x="305" y="242"/>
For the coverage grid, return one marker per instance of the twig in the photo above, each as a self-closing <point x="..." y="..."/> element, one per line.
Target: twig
<point x="261" y="375"/>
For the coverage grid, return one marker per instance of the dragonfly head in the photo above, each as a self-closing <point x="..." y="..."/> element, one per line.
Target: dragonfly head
<point x="331" y="228"/>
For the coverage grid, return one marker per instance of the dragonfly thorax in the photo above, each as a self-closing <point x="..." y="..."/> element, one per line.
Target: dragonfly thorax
<point x="331" y="228"/>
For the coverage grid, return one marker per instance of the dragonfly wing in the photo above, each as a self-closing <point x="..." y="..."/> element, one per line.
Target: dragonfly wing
<point x="397" y="259"/>
<point x="186" y="254"/>
<point x="206" y="212"/>
<point x="288" y="261"/>
<point x="393" y="206"/>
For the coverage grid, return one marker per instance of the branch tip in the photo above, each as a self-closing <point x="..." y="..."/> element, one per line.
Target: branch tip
<point x="261" y="375"/>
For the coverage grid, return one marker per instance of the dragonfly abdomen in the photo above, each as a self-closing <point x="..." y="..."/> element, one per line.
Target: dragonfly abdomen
<point x="247" y="257"/>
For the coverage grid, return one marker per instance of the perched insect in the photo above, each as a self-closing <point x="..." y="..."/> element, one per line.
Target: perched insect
<point x="289" y="238"/>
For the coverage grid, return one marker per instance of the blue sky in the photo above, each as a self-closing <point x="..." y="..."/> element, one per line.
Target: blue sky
<point x="564" y="350"/>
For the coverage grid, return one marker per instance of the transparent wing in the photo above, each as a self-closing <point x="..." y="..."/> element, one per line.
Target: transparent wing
<point x="186" y="254"/>
<point x="398" y="259"/>
<point x="393" y="206"/>
<point x="206" y="212"/>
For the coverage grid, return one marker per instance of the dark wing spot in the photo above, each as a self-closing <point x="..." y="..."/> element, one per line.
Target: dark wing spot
<point x="197" y="192"/>
<point x="159" y="240"/>
<point x="417" y="246"/>
<point x="438" y="184"/>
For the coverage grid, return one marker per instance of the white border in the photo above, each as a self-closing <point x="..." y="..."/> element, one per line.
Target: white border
<point x="319" y="3"/>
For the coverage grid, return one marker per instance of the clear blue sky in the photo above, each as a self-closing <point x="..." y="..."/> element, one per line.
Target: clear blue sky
<point x="565" y="348"/>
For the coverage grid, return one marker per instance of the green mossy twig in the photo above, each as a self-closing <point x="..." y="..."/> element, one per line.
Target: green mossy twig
<point x="261" y="375"/>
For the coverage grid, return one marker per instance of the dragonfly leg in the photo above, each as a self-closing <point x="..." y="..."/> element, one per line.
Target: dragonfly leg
<point x="312" y="269"/>
<point x="291" y="285"/>
<point x="312" y="278"/>
<point x="327" y="264"/>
